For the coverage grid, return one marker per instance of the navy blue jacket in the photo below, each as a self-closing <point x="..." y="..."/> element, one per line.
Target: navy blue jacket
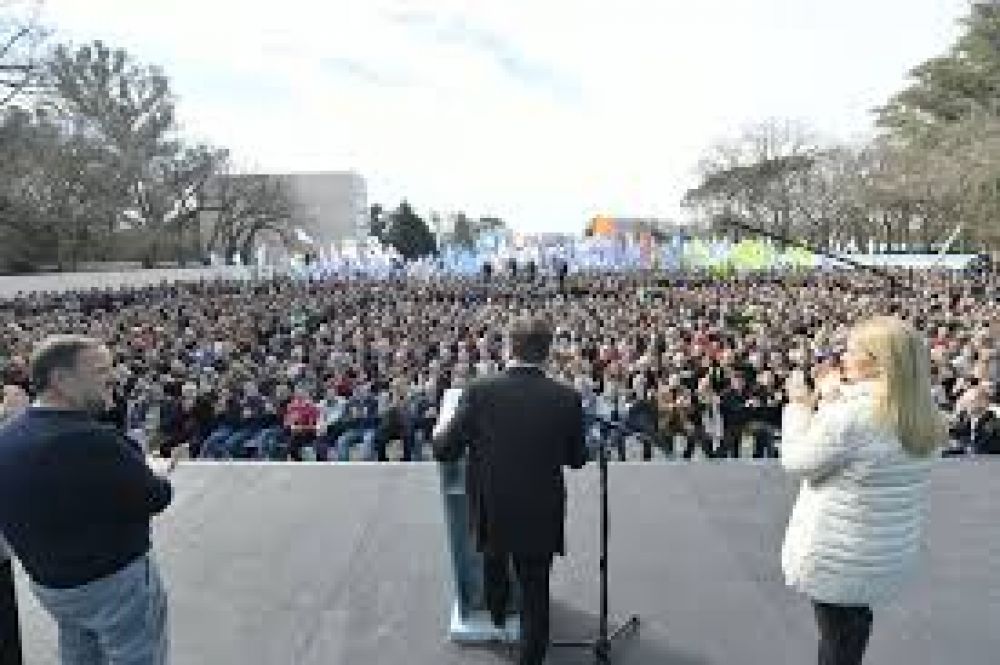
<point x="76" y="497"/>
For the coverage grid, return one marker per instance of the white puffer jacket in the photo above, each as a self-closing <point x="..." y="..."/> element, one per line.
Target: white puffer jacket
<point x="857" y="528"/>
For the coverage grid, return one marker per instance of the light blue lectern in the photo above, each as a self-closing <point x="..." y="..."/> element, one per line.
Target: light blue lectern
<point x="470" y="618"/>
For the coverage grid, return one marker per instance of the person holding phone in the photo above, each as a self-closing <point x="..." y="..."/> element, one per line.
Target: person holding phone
<point x="863" y="445"/>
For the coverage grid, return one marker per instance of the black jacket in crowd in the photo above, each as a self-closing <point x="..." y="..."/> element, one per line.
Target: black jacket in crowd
<point x="986" y="439"/>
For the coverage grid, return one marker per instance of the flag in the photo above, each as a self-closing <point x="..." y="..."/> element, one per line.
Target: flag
<point x="951" y="240"/>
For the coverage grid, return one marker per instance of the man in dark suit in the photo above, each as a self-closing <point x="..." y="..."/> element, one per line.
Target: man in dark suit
<point x="977" y="426"/>
<point x="520" y="428"/>
<point x="733" y="405"/>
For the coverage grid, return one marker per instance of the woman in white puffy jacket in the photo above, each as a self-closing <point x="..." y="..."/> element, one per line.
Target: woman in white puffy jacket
<point x="864" y="455"/>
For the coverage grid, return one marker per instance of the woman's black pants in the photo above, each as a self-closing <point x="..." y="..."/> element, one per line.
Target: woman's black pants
<point x="843" y="632"/>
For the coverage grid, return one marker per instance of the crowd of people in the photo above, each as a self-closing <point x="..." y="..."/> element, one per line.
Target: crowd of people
<point x="343" y="369"/>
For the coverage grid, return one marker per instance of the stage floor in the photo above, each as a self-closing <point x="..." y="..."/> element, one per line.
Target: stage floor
<point x="317" y="564"/>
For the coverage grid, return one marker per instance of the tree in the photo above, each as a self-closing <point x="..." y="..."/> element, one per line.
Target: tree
<point x="950" y="88"/>
<point x="20" y="39"/>
<point x="376" y="220"/>
<point x="22" y="185"/>
<point x="753" y="176"/>
<point x="55" y="192"/>
<point x="943" y="129"/>
<point x="106" y="96"/>
<point x="409" y="233"/>
<point x="464" y="234"/>
<point x="489" y="224"/>
<point x="97" y="161"/>
<point x="245" y="208"/>
<point x="935" y="166"/>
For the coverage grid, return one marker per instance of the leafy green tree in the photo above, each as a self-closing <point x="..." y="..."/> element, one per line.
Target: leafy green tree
<point x="376" y="220"/>
<point x="943" y="129"/>
<point x="55" y="193"/>
<point x="464" y="234"/>
<point x="952" y="87"/>
<point x="21" y="38"/>
<point x="129" y="107"/>
<point x="409" y="233"/>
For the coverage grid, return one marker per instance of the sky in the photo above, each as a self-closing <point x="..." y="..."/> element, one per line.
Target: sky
<point x="542" y="112"/>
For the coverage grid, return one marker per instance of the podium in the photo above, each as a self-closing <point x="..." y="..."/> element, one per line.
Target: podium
<point x="470" y="618"/>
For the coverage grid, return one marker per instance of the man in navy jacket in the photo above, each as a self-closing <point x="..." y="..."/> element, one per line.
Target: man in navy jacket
<point x="76" y="498"/>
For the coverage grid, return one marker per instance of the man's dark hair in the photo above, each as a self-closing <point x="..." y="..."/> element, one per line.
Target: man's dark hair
<point x="530" y="338"/>
<point x="54" y="353"/>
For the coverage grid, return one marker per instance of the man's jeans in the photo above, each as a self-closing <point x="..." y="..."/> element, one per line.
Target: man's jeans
<point x="413" y="445"/>
<point x="120" y="619"/>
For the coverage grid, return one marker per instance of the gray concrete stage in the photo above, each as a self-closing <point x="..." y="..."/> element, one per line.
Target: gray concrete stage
<point x="324" y="564"/>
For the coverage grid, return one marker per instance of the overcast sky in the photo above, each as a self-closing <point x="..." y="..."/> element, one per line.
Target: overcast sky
<point x="544" y="112"/>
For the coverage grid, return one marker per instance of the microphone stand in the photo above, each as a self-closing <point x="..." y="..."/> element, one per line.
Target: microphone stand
<point x="601" y="645"/>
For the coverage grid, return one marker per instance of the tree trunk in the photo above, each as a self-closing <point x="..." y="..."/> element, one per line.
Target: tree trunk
<point x="887" y="227"/>
<point x="905" y="230"/>
<point x="925" y="237"/>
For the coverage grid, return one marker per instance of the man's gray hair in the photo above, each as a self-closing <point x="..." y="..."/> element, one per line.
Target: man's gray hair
<point x="531" y="338"/>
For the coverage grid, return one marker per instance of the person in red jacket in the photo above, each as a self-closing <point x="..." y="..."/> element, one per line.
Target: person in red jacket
<point x="301" y="418"/>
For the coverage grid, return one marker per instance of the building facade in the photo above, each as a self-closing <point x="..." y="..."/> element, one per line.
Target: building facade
<point x="330" y="207"/>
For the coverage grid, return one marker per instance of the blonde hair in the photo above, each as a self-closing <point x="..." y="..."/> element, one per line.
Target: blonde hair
<point x="905" y="402"/>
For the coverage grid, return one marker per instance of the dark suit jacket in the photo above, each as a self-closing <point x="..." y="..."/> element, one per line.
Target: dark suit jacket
<point x="987" y="436"/>
<point x="520" y="428"/>
<point x="76" y="497"/>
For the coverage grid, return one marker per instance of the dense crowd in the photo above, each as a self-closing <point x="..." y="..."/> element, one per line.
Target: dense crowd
<point x="342" y="369"/>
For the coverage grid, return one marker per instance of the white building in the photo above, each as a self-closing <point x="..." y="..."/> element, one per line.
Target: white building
<point x="331" y="207"/>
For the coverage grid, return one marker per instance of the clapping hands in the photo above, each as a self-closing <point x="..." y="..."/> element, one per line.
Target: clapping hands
<point x="829" y="384"/>
<point x="798" y="390"/>
<point x="165" y="467"/>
